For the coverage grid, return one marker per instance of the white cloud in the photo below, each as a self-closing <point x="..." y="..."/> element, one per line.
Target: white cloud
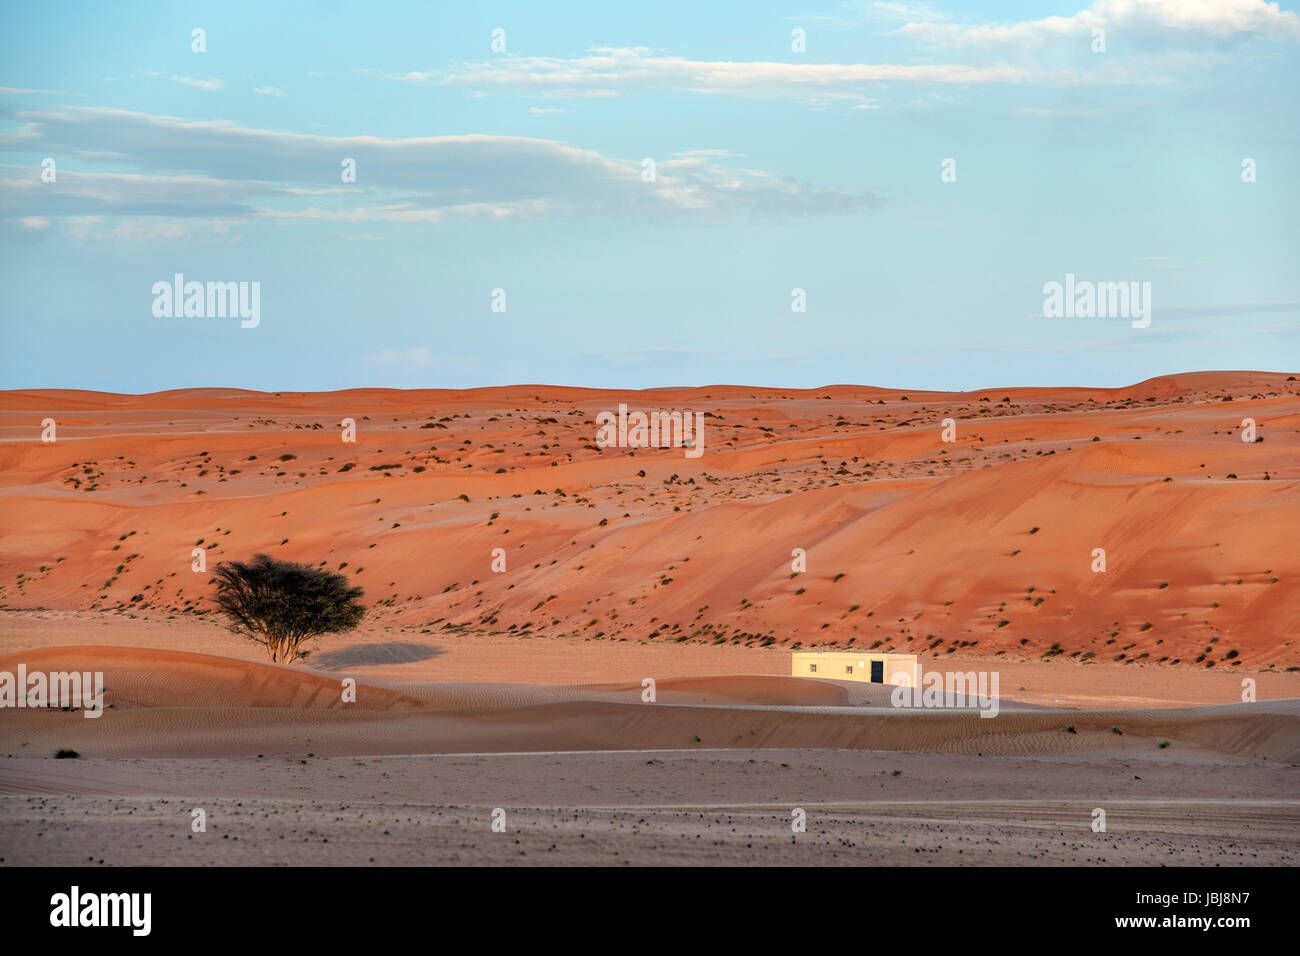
<point x="856" y="14"/>
<point x="418" y="357"/>
<point x="16" y="89"/>
<point x="1049" y="113"/>
<point x="79" y="227"/>
<point x="1177" y="21"/>
<point x="907" y="11"/>
<point x="199" y="83"/>
<point x="217" y="169"/>
<point x="268" y="91"/>
<point x="129" y="194"/>
<point x="604" y="70"/>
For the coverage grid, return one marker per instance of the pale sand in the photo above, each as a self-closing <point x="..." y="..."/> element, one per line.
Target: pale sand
<point x="374" y="652"/>
<point x="290" y="774"/>
<point x="711" y="807"/>
<point x="174" y="703"/>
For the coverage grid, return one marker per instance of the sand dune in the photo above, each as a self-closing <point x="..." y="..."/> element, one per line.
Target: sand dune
<point x="416" y="771"/>
<point x="979" y="546"/>
<point x="137" y="678"/>
<point x="163" y="704"/>
<point x="410" y="662"/>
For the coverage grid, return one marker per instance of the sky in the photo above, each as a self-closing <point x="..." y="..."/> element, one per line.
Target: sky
<point x="920" y="171"/>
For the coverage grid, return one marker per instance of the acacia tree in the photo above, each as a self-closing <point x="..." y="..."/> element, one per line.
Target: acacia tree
<point x="280" y="604"/>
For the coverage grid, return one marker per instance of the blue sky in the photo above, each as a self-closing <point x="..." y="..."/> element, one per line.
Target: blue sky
<point x="522" y="170"/>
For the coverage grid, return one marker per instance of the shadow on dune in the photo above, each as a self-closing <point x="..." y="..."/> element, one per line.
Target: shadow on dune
<point x="365" y="655"/>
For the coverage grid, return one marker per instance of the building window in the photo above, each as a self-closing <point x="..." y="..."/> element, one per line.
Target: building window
<point x="813" y="668"/>
<point x="848" y="669"/>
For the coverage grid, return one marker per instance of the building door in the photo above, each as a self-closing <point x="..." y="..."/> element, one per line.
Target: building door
<point x="877" y="672"/>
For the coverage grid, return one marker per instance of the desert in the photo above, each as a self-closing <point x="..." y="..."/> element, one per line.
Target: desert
<point x="522" y="583"/>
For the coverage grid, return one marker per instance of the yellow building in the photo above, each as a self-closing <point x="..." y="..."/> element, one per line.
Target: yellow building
<point x="857" y="665"/>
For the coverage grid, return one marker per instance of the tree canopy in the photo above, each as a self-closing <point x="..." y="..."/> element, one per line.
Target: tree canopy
<point x="281" y="604"/>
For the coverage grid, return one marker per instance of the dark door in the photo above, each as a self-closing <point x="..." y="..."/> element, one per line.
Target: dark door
<point x="877" y="672"/>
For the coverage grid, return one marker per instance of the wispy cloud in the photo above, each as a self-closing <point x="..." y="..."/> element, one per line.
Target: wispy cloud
<point x="420" y="357"/>
<point x="220" y="170"/>
<point x="1179" y="38"/>
<point x="78" y="193"/>
<point x="18" y="90"/>
<point x="1055" y="113"/>
<point x="860" y="13"/>
<point x="605" y="69"/>
<point x="1175" y="22"/>
<point x="199" y="82"/>
<point x="1194" y="311"/>
<point x="1229" y="308"/>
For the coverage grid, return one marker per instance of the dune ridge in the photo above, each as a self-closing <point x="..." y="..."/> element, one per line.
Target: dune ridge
<point x="173" y="704"/>
<point x="983" y="545"/>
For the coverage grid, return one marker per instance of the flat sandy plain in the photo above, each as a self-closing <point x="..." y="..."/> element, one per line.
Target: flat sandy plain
<point x="521" y="691"/>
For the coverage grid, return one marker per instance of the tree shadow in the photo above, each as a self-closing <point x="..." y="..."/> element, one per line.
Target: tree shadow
<point x="368" y="655"/>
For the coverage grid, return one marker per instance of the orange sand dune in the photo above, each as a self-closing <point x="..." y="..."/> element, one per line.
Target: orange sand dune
<point x="983" y="545"/>
<point x="137" y="677"/>
<point x="140" y="678"/>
